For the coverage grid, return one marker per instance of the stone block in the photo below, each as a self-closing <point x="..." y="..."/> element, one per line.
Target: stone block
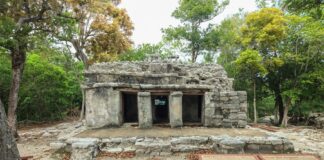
<point x="227" y="123"/>
<point x="232" y="93"/>
<point x="189" y="140"/>
<point x="57" y="145"/>
<point x="241" y="116"/>
<point x="84" y="154"/>
<point x="230" y="145"/>
<point x="278" y="148"/>
<point x="241" y="123"/>
<point x="265" y="148"/>
<point x="241" y="93"/>
<point x="224" y="99"/>
<point x="114" y="150"/>
<point x="251" y="148"/>
<point x="188" y="148"/>
<point x="223" y="94"/>
<point x="85" y="140"/>
<point x="288" y="147"/>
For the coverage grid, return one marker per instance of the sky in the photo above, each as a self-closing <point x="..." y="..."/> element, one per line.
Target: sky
<point x="150" y="16"/>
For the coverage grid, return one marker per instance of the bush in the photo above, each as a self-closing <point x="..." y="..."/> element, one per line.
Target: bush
<point x="47" y="90"/>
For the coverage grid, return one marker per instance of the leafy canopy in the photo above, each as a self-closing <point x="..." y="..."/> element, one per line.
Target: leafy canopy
<point x="191" y="37"/>
<point x="264" y="29"/>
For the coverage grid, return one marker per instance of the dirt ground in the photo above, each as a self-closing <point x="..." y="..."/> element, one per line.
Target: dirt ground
<point x="34" y="140"/>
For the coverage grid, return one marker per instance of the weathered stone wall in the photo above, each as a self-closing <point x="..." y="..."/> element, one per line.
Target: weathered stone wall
<point x="221" y="105"/>
<point x="88" y="148"/>
<point x="104" y="107"/>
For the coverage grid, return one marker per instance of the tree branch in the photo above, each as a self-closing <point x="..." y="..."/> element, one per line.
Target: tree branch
<point x="29" y="18"/>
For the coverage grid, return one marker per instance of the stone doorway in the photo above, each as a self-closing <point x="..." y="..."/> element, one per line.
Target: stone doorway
<point x="130" y="109"/>
<point x="160" y="109"/>
<point x="192" y="109"/>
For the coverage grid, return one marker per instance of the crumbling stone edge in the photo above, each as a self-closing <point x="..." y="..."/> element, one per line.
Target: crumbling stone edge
<point x="89" y="148"/>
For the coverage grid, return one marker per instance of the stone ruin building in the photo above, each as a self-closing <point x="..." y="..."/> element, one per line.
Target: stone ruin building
<point x="159" y="91"/>
<point x="168" y="93"/>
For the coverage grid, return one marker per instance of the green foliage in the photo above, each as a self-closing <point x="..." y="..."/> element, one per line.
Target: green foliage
<point x="5" y="76"/>
<point x="191" y="36"/>
<point x="250" y="62"/>
<point x="198" y="10"/>
<point x="263" y="29"/>
<point x="314" y="8"/>
<point x="265" y="106"/>
<point x="49" y="86"/>
<point x="288" y="47"/>
<point x="142" y="51"/>
<point x="229" y="42"/>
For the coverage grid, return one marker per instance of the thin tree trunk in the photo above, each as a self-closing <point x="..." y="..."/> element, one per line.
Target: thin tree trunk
<point x="8" y="147"/>
<point x="193" y="60"/>
<point x="83" y="104"/>
<point x="276" y="118"/>
<point x="254" y="103"/>
<point x="18" y="62"/>
<point x="284" y="122"/>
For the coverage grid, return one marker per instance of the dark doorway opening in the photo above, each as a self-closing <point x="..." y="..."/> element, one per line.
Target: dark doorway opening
<point x="130" y="107"/>
<point x="191" y="108"/>
<point x="160" y="109"/>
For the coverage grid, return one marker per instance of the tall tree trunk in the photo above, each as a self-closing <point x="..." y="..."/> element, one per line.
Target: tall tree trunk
<point x="254" y="103"/>
<point x="8" y="147"/>
<point x="279" y="102"/>
<point x="18" y="61"/>
<point x="284" y="122"/>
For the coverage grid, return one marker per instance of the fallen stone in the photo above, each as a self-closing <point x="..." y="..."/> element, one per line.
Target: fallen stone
<point x="57" y="145"/>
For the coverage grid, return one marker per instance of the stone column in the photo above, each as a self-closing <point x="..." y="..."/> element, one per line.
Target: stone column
<point x="114" y="108"/>
<point x="175" y="109"/>
<point x="144" y="109"/>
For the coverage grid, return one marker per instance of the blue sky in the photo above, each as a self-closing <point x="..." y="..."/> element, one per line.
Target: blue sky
<point x="149" y="16"/>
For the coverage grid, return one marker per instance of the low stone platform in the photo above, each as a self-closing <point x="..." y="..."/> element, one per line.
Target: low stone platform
<point x="160" y="141"/>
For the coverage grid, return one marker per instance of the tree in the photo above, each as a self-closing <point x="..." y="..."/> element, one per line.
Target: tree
<point x="313" y="8"/>
<point x="8" y="147"/>
<point x="263" y="31"/>
<point x="20" y="20"/>
<point x="302" y="54"/>
<point x="192" y="36"/>
<point x="97" y="30"/>
<point x="250" y="63"/>
<point x="229" y="42"/>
